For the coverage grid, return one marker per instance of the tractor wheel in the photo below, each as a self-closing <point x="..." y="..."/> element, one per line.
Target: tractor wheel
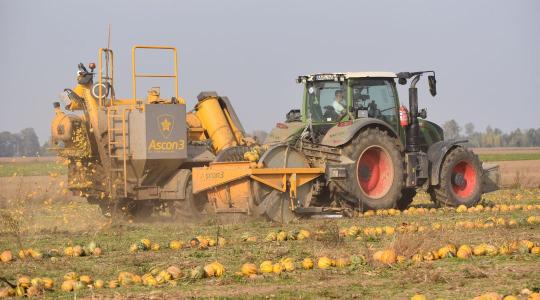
<point x="460" y="179"/>
<point x="378" y="178"/>
<point x="407" y="196"/>
<point x="140" y="211"/>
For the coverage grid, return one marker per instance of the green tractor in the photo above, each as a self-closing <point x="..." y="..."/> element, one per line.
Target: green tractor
<point x="375" y="152"/>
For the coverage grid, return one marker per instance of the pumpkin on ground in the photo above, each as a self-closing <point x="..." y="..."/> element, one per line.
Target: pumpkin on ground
<point x="6" y="256"/>
<point x="464" y="252"/>
<point x="307" y="263"/>
<point x="175" y="245"/>
<point x="99" y="284"/>
<point x="266" y="267"/>
<point x="249" y="269"/>
<point x="324" y="263"/>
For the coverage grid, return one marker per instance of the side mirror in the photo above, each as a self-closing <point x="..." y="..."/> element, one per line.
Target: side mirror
<point x="432" y="85"/>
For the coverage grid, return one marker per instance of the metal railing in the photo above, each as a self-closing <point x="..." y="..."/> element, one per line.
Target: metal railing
<point x="136" y="75"/>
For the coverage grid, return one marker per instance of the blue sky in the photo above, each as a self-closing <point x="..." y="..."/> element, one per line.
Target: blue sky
<point x="486" y="53"/>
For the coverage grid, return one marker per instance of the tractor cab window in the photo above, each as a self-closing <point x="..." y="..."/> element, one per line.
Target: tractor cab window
<point x="326" y="101"/>
<point x="376" y="97"/>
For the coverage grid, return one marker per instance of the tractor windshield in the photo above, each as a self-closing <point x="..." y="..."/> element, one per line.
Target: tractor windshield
<point x="377" y="97"/>
<point x="326" y="101"/>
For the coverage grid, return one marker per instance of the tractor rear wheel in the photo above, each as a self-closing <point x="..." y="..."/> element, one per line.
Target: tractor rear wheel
<point x="378" y="177"/>
<point x="460" y="179"/>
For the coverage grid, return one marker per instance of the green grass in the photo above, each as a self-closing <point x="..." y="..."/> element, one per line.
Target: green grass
<point x="64" y="223"/>
<point x="38" y="168"/>
<point x="509" y="156"/>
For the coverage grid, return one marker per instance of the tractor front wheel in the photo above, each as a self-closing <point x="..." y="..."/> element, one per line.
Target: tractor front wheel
<point x="460" y="179"/>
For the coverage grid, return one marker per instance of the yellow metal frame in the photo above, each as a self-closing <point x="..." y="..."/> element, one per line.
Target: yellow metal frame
<point x="110" y="65"/>
<point x="281" y="179"/>
<point x="136" y="75"/>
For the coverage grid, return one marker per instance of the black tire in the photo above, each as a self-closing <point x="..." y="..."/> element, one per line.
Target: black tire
<point x="192" y="207"/>
<point x="374" y="153"/>
<point x="455" y="189"/>
<point x="407" y="196"/>
<point x="141" y="211"/>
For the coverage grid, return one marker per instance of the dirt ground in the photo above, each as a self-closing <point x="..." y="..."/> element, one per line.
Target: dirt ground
<point x="524" y="173"/>
<point x="52" y="219"/>
<point x="497" y="150"/>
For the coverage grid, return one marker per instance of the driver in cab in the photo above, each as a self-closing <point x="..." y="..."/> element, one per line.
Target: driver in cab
<point x="339" y="103"/>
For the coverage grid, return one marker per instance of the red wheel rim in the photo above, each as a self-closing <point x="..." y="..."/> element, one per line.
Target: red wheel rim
<point x="375" y="172"/>
<point x="463" y="179"/>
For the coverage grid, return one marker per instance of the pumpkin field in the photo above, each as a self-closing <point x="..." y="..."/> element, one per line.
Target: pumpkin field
<point x="55" y="245"/>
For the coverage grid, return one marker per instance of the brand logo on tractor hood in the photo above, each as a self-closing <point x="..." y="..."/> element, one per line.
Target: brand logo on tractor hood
<point x="165" y="125"/>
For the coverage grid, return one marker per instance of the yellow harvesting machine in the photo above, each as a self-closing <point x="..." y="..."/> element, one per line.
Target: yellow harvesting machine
<point x="140" y="155"/>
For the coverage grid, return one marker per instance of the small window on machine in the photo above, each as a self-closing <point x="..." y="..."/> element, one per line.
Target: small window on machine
<point x="374" y="98"/>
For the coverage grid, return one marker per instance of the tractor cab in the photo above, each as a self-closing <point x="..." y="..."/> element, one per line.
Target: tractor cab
<point x="337" y="97"/>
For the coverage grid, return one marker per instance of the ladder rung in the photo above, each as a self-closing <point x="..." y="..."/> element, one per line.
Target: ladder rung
<point x="117" y="170"/>
<point x="115" y="142"/>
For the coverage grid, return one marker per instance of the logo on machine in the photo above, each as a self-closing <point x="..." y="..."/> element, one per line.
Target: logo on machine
<point x="165" y="125"/>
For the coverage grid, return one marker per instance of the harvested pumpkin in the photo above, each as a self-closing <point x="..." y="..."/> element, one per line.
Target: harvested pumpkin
<point x="175" y="245"/>
<point x="266" y="266"/>
<point x="113" y="284"/>
<point x="209" y="270"/>
<point x="464" y="252"/>
<point x="248" y="269"/>
<point x="307" y="263"/>
<point x="388" y="256"/>
<point x="6" y="256"/>
<point x="218" y="268"/>
<point x="277" y="268"/>
<point x="342" y="262"/>
<point x="67" y="285"/>
<point x="175" y="272"/>
<point x="324" y="262"/>
<point x="99" y="284"/>
<point x="85" y="279"/>
<point x="197" y="273"/>
<point x="48" y="283"/>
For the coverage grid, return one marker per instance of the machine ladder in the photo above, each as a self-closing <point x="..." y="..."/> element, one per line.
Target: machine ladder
<point x="117" y="128"/>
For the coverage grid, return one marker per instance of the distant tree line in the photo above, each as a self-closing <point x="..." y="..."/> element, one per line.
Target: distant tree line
<point x="492" y="137"/>
<point x="24" y="143"/>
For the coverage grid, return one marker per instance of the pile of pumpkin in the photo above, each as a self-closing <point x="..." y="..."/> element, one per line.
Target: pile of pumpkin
<point x="266" y="267"/>
<point x="493" y="296"/>
<point x="356" y="232"/>
<point x="71" y="251"/>
<point x="496" y="296"/>
<point x="74" y="282"/>
<point x="28" y="287"/>
<point x="460" y="209"/>
<point x="465" y="251"/>
<point x="287" y="235"/>
<point x="198" y="242"/>
<point x="90" y="249"/>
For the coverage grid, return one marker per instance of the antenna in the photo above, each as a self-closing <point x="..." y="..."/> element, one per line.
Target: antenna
<point x="109" y="38"/>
